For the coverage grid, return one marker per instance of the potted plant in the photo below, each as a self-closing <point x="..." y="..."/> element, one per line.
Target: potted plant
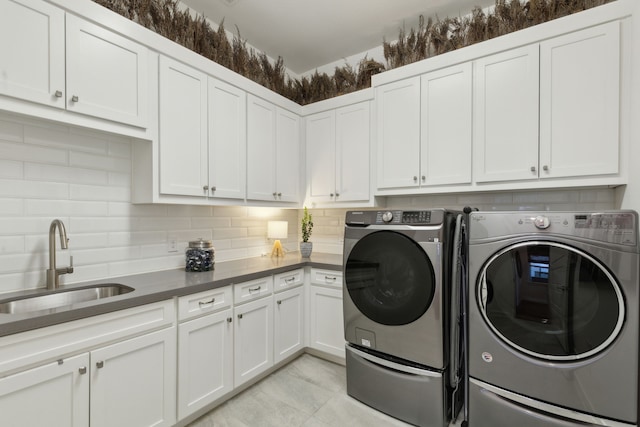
<point x="307" y="226"/>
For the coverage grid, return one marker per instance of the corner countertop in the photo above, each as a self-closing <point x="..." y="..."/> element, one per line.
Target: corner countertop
<point x="163" y="285"/>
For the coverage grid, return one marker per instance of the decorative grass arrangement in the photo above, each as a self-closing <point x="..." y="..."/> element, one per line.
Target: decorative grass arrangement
<point x="429" y="39"/>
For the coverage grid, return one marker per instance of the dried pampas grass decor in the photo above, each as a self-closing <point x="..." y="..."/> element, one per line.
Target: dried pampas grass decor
<point x="429" y="39"/>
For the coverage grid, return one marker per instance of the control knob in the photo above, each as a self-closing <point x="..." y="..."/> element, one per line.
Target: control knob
<point x="387" y="216"/>
<point x="541" y="222"/>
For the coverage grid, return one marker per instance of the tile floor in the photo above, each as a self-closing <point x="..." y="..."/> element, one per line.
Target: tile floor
<point x="308" y="392"/>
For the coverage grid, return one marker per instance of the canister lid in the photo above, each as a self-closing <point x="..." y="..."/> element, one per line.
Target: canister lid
<point x="201" y="244"/>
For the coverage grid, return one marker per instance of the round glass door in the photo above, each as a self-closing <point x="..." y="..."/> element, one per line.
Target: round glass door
<point x="550" y="300"/>
<point x="390" y="278"/>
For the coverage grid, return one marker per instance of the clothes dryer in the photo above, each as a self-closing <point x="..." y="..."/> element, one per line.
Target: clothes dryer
<point x="398" y="310"/>
<point x="553" y="319"/>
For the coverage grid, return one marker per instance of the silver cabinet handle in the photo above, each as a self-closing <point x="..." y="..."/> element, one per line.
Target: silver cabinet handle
<point x="229" y="319"/>
<point x="206" y="303"/>
<point x="213" y="188"/>
<point x="279" y="194"/>
<point x="424" y="178"/>
<point x="255" y="289"/>
<point x="205" y="187"/>
<point x="83" y="370"/>
<point x="330" y="194"/>
<point x="240" y="316"/>
<point x="75" y="98"/>
<point x="545" y="168"/>
<point x="100" y="364"/>
<point x="533" y="168"/>
<point x="415" y="178"/>
<point x="290" y="280"/>
<point x="330" y="278"/>
<point x="337" y="194"/>
<point x="274" y="194"/>
<point x="58" y="94"/>
<point x="279" y="302"/>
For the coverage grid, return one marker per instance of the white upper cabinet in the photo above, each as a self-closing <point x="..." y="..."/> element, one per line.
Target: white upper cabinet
<point x="183" y="129"/>
<point x="273" y="136"/>
<point x="32" y="52"/>
<point x="101" y="74"/>
<point x="227" y="140"/>
<point x="106" y="74"/>
<point x="506" y="116"/>
<point x="398" y="127"/>
<point x="580" y="103"/>
<point x="445" y="134"/>
<point x="338" y="154"/>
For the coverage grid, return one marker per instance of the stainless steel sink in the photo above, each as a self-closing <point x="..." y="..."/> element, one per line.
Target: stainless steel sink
<point x="61" y="298"/>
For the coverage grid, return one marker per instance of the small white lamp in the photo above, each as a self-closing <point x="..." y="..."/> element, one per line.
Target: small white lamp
<point x="277" y="230"/>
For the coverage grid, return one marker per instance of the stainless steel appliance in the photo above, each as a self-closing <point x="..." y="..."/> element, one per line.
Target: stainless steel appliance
<point x="398" y="308"/>
<point x="553" y="319"/>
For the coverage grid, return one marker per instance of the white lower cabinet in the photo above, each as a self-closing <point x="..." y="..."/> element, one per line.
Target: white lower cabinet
<point x="55" y="394"/>
<point x="288" y="326"/>
<point x="326" y="325"/>
<point x="253" y="339"/>
<point x="205" y="350"/>
<point x="133" y="382"/>
<point x="129" y="383"/>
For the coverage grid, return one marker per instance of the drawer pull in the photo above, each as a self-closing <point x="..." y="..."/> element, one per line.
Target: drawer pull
<point x="290" y="280"/>
<point x="331" y="279"/>
<point x="255" y="289"/>
<point x="206" y="303"/>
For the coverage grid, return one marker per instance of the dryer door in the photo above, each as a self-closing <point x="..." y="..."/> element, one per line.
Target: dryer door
<point x="389" y="278"/>
<point x="550" y="300"/>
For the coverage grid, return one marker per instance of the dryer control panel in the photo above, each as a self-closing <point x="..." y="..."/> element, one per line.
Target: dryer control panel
<point x="395" y="217"/>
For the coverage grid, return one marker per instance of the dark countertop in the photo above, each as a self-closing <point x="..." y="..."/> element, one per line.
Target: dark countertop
<point x="163" y="285"/>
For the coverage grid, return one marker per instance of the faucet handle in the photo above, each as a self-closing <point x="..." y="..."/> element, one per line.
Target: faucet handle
<point x="70" y="268"/>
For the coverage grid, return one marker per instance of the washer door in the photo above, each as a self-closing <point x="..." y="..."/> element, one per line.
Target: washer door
<point x="550" y="300"/>
<point x="389" y="278"/>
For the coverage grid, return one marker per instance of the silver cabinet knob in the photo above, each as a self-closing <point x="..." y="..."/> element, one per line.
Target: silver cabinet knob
<point x="58" y="94"/>
<point x="331" y="194"/>
<point x="279" y="194"/>
<point x="83" y="370"/>
<point x="274" y="194"/>
<point x="75" y="98"/>
<point x="337" y="194"/>
<point x="424" y="178"/>
<point x="279" y="302"/>
<point x="240" y="316"/>
<point x="213" y="188"/>
<point x="415" y="178"/>
<point x="100" y="364"/>
<point x="229" y="319"/>
<point x="533" y="168"/>
<point x="205" y="187"/>
<point x="545" y="168"/>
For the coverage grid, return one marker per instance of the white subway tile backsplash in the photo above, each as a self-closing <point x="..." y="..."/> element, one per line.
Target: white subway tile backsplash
<point x="11" y="207"/>
<point x="55" y="173"/>
<point x="95" y="192"/>
<point x="11" y="169"/>
<point x="99" y="162"/>
<point x="12" y="245"/>
<point x="32" y="153"/>
<point x="53" y="208"/>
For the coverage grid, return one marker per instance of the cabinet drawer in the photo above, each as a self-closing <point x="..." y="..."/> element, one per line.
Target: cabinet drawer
<point x="326" y="278"/>
<point x="253" y="289"/>
<point x="190" y="306"/>
<point x="288" y="280"/>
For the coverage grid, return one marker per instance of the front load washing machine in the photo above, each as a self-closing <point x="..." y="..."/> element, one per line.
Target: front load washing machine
<point x="553" y="319"/>
<point x="398" y="309"/>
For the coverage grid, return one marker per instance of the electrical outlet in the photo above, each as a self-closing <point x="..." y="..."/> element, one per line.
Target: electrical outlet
<point x="172" y="245"/>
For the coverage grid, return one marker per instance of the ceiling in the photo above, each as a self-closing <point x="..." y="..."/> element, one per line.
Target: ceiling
<point x="309" y="34"/>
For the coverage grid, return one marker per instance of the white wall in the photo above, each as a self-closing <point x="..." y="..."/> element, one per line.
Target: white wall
<point x="83" y="177"/>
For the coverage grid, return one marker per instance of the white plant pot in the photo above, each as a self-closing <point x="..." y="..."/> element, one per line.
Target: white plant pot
<point x="305" y="249"/>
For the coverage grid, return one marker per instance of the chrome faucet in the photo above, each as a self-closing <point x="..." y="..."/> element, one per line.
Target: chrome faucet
<point x="53" y="273"/>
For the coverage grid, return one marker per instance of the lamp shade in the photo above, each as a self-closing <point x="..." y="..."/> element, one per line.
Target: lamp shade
<point x="277" y="229"/>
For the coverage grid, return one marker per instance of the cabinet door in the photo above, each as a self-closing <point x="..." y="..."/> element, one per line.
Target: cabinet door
<point x="287" y="155"/>
<point x="205" y="361"/>
<point x="227" y="140"/>
<point x="32" y="51"/>
<point x="506" y="116"/>
<point x="398" y="113"/>
<point x="352" y="152"/>
<point x="288" y="323"/>
<point x="253" y="336"/>
<point x="445" y="149"/>
<point x="580" y="101"/>
<point x="133" y="382"/>
<point x="183" y="129"/>
<point x="261" y="149"/>
<point x="326" y="320"/>
<point x="321" y="156"/>
<point x="106" y="74"/>
<point x="56" y="395"/>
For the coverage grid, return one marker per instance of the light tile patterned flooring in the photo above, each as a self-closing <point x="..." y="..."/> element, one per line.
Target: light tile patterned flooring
<point x="308" y="392"/>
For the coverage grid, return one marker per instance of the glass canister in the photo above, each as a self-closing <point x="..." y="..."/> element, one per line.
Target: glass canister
<point x="200" y="255"/>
